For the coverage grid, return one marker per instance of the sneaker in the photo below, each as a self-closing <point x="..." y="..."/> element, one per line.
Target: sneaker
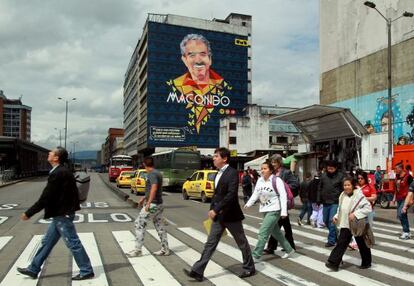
<point x="286" y="255"/>
<point x="134" y="253"/>
<point x="405" y="236"/>
<point x="162" y="252"/>
<point x="299" y="222"/>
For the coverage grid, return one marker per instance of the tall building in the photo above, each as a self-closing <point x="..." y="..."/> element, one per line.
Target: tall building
<point x="110" y="147"/>
<point x="354" y="65"/>
<point x="183" y="76"/>
<point x="15" y="118"/>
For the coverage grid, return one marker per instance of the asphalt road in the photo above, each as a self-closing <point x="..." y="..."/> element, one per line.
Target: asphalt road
<point x="106" y="224"/>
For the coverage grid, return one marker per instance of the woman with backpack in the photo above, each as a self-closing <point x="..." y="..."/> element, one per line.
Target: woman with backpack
<point x="270" y="189"/>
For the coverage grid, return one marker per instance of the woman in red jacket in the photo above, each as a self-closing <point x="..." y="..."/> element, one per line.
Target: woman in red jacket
<point x="403" y="182"/>
<point x="369" y="192"/>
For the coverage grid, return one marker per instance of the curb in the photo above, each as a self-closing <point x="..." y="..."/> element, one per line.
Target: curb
<point x="11" y="183"/>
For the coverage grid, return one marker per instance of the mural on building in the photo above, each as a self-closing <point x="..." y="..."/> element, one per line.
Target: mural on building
<point x="402" y="111"/>
<point x="186" y="97"/>
<point x="201" y="89"/>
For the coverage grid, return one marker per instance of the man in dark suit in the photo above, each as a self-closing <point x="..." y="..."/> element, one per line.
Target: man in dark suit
<point x="60" y="200"/>
<point x="225" y="212"/>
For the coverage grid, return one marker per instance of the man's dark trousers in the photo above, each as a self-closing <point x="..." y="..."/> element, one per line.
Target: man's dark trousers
<point x="237" y="231"/>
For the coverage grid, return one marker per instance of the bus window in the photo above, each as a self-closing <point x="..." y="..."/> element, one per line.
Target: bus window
<point x="186" y="161"/>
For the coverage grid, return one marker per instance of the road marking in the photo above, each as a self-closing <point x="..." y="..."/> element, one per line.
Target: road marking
<point x="3" y="219"/>
<point x="252" y="216"/>
<point x="350" y="259"/>
<point x="89" y="243"/>
<point x="395" y="226"/>
<point x="4" y="240"/>
<point x="344" y="275"/>
<point x="392" y="232"/>
<point x="15" y="278"/>
<point x="214" y="272"/>
<point x="375" y="252"/>
<point x="282" y="276"/>
<point x="147" y="267"/>
<point x="170" y="222"/>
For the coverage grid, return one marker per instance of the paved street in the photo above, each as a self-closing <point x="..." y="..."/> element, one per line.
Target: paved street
<point x="105" y="226"/>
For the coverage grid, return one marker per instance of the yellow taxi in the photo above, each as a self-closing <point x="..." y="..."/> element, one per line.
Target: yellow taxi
<point x="138" y="182"/>
<point x="124" y="179"/>
<point x="200" y="185"/>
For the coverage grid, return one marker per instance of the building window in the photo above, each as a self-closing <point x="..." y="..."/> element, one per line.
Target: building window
<point x="270" y="140"/>
<point x="233" y="126"/>
<point x="282" y="139"/>
<point x="232" y="140"/>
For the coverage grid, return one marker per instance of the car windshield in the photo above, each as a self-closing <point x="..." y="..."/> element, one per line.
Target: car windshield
<point x="211" y="176"/>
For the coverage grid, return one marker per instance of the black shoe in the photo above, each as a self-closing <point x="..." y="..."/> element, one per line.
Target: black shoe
<point x="328" y="244"/>
<point x="246" y="274"/>
<point x="27" y="272"/>
<point x="364" y="266"/>
<point x="84" y="277"/>
<point x="194" y="275"/>
<point x="331" y="266"/>
<point x="268" y="251"/>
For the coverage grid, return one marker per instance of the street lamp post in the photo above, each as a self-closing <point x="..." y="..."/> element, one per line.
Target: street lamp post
<point x="390" y="115"/>
<point x="60" y="136"/>
<point x="66" y="117"/>
<point x="74" y="151"/>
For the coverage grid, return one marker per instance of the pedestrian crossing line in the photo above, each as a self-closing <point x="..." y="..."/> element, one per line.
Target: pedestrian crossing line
<point x="275" y="273"/>
<point x="343" y="275"/>
<point x="390" y="225"/>
<point x="374" y="252"/>
<point x="4" y="240"/>
<point x="395" y="246"/>
<point x="147" y="267"/>
<point x="393" y="272"/>
<point x="15" y="278"/>
<point x="89" y="243"/>
<point x="394" y="232"/>
<point x="214" y="272"/>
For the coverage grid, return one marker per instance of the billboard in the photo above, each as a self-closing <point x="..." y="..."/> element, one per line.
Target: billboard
<point x="195" y="77"/>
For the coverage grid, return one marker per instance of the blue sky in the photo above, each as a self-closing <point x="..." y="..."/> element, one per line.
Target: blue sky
<point x="57" y="48"/>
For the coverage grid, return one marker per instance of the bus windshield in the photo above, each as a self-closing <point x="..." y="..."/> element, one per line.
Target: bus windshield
<point x="121" y="161"/>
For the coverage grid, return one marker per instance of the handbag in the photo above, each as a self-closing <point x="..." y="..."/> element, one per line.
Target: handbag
<point x="369" y="236"/>
<point x="357" y="226"/>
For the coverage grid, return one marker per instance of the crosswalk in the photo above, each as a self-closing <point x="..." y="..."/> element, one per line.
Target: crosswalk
<point x="392" y="259"/>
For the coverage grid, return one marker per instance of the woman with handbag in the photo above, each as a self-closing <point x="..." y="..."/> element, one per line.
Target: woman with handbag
<point x="351" y="219"/>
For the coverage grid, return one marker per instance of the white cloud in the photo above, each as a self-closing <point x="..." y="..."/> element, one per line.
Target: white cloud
<point x="58" y="48"/>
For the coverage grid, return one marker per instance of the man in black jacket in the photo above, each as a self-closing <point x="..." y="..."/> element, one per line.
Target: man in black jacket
<point x="330" y="187"/>
<point x="59" y="200"/>
<point x="225" y="212"/>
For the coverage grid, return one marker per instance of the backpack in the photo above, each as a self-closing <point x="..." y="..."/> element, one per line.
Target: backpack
<point x="293" y="182"/>
<point x="289" y="194"/>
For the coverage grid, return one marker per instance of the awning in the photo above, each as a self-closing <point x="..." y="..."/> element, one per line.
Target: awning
<point x="256" y="163"/>
<point x="322" y="123"/>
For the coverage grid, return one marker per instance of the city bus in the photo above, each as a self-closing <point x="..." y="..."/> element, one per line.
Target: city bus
<point x="176" y="166"/>
<point x="117" y="164"/>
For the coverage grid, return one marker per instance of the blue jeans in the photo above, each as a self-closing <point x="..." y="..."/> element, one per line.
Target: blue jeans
<point x="329" y="210"/>
<point x="402" y="217"/>
<point x="306" y="208"/>
<point x="62" y="226"/>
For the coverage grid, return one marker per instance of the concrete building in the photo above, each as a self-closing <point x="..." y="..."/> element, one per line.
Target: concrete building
<point x="353" y="62"/>
<point x="15" y="118"/>
<point x="110" y="147"/>
<point x="149" y="123"/>
<point x="257" y="132"/>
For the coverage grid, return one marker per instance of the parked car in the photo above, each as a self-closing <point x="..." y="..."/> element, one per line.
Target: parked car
<point x="200" y="185"/>
<point x="138" y="182"/>
<point x="124" y="179"/>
